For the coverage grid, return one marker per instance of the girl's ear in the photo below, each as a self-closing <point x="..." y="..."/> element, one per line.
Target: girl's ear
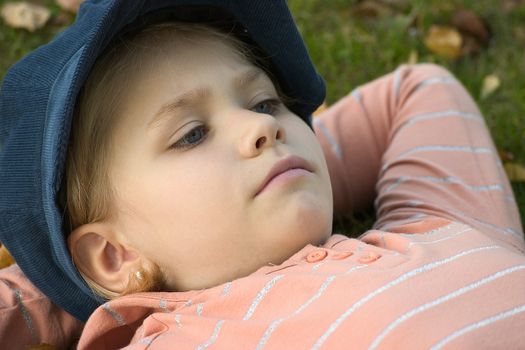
<point x="101" y="257"/>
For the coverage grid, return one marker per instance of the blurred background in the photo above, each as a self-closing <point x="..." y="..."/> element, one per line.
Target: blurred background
<point x="351" y="42"/>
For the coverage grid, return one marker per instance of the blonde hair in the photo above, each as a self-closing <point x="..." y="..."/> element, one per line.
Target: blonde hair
<point x="90" y="196"/>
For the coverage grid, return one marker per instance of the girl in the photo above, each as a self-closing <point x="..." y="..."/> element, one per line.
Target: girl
<point x="195" y="205"/>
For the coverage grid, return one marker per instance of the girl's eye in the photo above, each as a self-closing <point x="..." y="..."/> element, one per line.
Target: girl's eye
<point x="192" y="138"/>
<point x="266" y="107"/>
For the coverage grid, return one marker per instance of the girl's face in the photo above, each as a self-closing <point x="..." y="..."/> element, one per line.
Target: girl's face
<point x="199" y="135"/>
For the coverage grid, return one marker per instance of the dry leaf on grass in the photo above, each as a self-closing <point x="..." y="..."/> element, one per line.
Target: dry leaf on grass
<point x="25" y="15"/>
<point x="371" y="8"/>
<point x="62" y="19"/>
<point x="474" y="30"/>
<point x="505" y="156"/>
<point x="5" y="258"/>
<point x="490" y="84"/>
<point x="471" y="45"/>
<point x="470" y="23"/>
<point x="468" y="34"/>
<point x="320" y="109"/>
<point x="444" y="41"/>
<point x="515" y="172"/>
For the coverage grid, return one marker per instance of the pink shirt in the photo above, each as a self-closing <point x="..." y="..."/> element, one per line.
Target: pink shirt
<point x="443" y="267"/>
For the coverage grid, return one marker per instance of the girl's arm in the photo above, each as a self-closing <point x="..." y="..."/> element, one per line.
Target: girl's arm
<point x="28" y="318"/>
<point x="415" y="144"/>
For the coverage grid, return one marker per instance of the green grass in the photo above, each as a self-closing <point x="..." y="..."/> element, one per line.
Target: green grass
<point x="349" y="51"/>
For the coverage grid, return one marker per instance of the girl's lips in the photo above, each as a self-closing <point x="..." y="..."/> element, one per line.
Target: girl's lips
<point x="284" y="170"/>
<point x="284" y="177"/>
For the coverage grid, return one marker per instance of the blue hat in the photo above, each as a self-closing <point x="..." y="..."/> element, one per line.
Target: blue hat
<point x="37" y="100"/>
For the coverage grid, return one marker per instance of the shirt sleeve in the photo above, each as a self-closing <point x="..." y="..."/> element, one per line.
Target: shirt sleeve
<point x="28" y="318"/>
<point x="415" y="144"/>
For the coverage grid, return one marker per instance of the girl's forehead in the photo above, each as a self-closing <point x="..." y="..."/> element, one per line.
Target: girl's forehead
<point x="186" y="75"/>
<point x="185" y="57"/>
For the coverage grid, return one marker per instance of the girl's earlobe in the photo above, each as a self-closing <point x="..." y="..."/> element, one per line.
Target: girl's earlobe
<point x="101" y="258"/>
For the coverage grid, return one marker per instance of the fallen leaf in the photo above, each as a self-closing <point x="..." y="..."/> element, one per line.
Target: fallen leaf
<point x="371" y="8"/>
<point x="70" y="5"/>
<point x="444" y="41"/>
<point x="5" y="258"/>
<point x="470" y="23"/>
<point x="413" y="57"/>
<point x="25" y="15"/>
<point x="62" y="19"/>
<point x="471" y="45"/>
<point x="490" y="84"/>
<point x="515" y="172"/>
<point x="505" y="156"/>
<point x="320" y="109"/>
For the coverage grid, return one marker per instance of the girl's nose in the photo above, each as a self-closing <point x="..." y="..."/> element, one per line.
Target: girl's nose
<point x="260" y="132"/>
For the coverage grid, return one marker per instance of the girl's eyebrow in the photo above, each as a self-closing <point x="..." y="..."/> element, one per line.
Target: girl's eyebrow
<point x="247" y="78"/>
<point x="194" y="97"/>
<point x="184" y="100"/>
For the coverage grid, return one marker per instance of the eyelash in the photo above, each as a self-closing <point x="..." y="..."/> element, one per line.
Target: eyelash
<point x="183" y="144"/>
<point x="274" y="103"/>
